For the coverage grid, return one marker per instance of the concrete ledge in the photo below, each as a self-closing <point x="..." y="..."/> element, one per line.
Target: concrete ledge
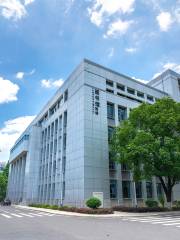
<point x="116" y="214"/>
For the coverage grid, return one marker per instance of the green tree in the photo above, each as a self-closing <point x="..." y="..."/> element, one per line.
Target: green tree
<point x="4" y="182"/>
<point x="149" y="143"/>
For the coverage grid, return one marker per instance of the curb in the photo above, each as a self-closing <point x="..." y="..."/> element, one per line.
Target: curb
<point x="115" y="215"/>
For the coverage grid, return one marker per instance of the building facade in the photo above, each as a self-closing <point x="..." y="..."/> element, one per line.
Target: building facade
<point x="63" y="156"/>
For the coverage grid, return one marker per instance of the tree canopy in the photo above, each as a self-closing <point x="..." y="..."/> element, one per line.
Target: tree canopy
<point x="4" y="182"/>
<point x="149" y="143"/>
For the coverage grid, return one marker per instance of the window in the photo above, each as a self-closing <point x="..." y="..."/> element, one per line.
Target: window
<point x="64" y="164"/>
<point x="124" y="167"/>
<point x="139" y="190"/>
<point x="159" y="189"/>
<point x="120" y="87"/>
<point x="112" y="165"/>
<point x="179" y="83"/>
<point x="122" y="113"/>
<point x="131" y="91"/>
<point x="140" y="94"/>
<point x="110" y="132"/>
<point x="109" y="83"/>
<point x="128" y="97"/>
<point x="66" y="96"/>
<point x="97" y="91"/>
<point x="110" y="111"/>
<point x="126" y="188"/>
<point x="113" y="189"/>
<point x="149" y="189"/>
<point x="63" y="189"/>
<point x="150" y="98"/>
<point x="109" y="90"/>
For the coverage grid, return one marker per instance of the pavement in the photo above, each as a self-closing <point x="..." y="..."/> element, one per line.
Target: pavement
<point x="20" y="223"/>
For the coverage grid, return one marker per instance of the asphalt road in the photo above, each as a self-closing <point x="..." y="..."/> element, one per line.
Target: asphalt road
<point x="21" y="224"/>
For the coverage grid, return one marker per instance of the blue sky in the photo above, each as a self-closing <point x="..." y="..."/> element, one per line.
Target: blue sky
<point x="42" y="41"/>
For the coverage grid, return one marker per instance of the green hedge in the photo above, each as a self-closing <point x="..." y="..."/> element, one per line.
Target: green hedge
<point x="74" y="209"/>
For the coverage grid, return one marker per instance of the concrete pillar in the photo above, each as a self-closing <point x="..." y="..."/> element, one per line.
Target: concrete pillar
<point x="118" y="167"/>
<point x="144" y="191"/>
<point x="154" y="189"/>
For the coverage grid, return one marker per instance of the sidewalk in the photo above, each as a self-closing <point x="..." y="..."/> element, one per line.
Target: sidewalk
<point x="115" y="215"/>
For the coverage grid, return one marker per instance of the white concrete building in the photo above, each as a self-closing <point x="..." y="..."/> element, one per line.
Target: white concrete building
<point x="63" y="156"/>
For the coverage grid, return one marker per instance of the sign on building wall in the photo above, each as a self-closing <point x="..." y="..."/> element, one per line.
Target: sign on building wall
<point x="95" y="101"/>
<point x="100" y="196"/>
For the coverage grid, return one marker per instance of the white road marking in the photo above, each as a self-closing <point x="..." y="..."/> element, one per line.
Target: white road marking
<point x="171" y="224"/>
<point x="27" y="215"/>
<point x="36" y="214"/>
<point x="4" y="215"/>
<point x="16" y="215"/>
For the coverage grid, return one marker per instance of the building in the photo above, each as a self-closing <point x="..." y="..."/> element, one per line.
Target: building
<point x="63" y="156"/>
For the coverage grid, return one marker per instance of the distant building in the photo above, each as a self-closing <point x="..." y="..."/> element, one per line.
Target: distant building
<point x="63" y="156"/>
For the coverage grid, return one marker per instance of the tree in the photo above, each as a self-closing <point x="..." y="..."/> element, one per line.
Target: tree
<point x="149" y="143"/>
<point x="4" y="182"/>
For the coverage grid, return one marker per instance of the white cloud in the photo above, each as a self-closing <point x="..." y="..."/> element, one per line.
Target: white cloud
<point x="140" y="80"/>
<point x="101" y="9"/>
<point x="111" y="52"/>
<point x="118" y="28"/>
<point x="10" y="132"/>
<point x="32" y="72"/>
<point x="27" y="2"/>
<point x="165" y="21"/>
<point x="8" y="91"/>
<point x="14" y="9"/>
<point x="169" y="65"/>
<point x="130" y="50"/>
<point x="19" y="75"/>
<point x="50" y="83"/>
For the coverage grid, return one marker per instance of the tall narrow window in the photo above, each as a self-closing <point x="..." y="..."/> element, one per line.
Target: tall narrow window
<point x="139" y="189"/>
<point x="110" y="132"/>
<point x="66" y="96"/>
<point x="122" y="113"/>
<point x="149" y="189"/>
<point x="126" y="188"/>
<point x="113" y="188"/>
<point x="110" y="110"/>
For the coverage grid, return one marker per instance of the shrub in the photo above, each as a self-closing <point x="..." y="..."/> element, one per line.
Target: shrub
<point x="139" y="209"/>
<point x="162" y="201"/>
<point x="55" y="207"/>
<point x="75" y="209"/>
<point x="176" y="204"/>
<point x="93" y="203"/>
<point x="151" y="203"/>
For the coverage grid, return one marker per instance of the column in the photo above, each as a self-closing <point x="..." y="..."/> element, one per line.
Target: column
<point x="118" y="167"/>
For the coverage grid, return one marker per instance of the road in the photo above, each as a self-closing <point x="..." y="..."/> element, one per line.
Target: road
<point x="23" y="224"/>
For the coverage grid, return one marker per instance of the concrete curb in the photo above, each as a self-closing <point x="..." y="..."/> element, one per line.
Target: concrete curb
<point x="115" y="215"/>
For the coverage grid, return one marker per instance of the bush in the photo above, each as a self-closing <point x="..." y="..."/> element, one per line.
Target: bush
<point x="75" y="209"/>
<point x="151" y="203"/>
<point x="139" y="209"/>
<point x="162" y="201"/>
<point x="176" y="204"/>
<point x="93" y="203"/>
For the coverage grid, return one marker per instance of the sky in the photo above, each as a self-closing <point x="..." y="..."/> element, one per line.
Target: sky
<point x="42" y="41"/>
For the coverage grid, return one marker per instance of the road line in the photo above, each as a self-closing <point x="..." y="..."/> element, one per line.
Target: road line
<point x="4" y="215"/>
<point x="171" y="224"/>
<point x="36" y="214"/>
<point x="16" y="215"/>
<point x="27" y="215"/>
